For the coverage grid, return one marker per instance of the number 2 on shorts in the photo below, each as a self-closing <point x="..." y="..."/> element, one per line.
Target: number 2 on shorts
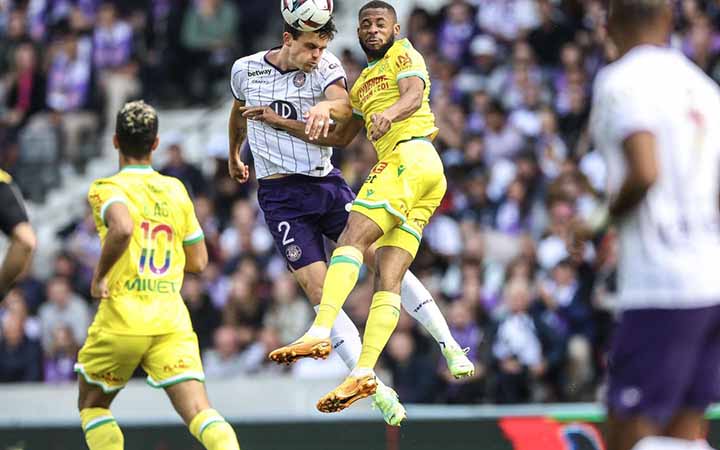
<point x="284" y="228"/>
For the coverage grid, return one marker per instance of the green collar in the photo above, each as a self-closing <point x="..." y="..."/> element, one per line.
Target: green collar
<point x="137" y="169"/>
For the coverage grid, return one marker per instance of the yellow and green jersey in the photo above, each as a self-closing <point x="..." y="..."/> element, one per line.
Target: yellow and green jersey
<point x="377" y="89"/>
<point x="5" y="177"/>
<point x="145" y="282"/>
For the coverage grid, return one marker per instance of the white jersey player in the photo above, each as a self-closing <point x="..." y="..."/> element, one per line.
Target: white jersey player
<point x="654" y="119"/>
<point x="303" y="198"/>
<point x="256" y="81"/>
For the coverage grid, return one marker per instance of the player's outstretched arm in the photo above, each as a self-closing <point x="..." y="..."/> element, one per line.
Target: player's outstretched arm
<point x="340" y="135"/>
<point x="237" y="132"/>
<point x="412" y="90"/>
<point x="336" y="106"/>
<point x="120" y="229"/>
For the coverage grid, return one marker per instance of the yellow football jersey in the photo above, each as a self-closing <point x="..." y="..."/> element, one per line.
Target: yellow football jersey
<point x="145" y="282"/>
<point x="5" y="177"/>
<point x="377" y="89"/>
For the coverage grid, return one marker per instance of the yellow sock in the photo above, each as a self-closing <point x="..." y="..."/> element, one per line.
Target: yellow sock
<point x="101" y="430"/>
<point x="382" y="320"/>
<point x="213" y="432"/>
<point x="342" y="275"/>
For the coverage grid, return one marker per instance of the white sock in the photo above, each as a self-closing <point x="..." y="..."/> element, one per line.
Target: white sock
<point x="418" y="302"/>
<point x="319" y="332"/>
<point x="345" y="339"/>
<point x="664" y="443"/>
<point x="361" y="372"/>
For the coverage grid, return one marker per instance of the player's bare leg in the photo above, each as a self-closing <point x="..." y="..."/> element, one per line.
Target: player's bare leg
<point x="99" y="426"/>
<point x="190" y="400"/>
<point x="687" y="424"/>
<point x="360" y="232"/>
<point x="393" y="262"/>
<point x="623" y="434"/>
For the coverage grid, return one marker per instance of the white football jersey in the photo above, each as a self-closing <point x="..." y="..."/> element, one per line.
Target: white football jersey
<point x="669" y="245"/>
<point x="257" y="82"/>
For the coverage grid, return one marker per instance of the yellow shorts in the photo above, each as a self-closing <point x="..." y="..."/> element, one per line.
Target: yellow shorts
<point x="402" y="192"/>
<point x="108" y="360"/>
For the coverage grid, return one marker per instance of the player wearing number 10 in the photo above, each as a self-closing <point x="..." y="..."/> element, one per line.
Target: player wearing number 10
<point x="150" y="237"/>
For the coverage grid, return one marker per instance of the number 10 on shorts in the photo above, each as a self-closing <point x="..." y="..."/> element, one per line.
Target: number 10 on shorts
<point x="150" y="237"/>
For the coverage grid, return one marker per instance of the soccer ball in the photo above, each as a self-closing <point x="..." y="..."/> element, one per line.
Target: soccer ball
<point x="306" y="15"/>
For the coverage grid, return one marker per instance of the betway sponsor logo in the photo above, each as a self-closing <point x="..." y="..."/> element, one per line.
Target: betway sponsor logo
<point x="259" y="73"/>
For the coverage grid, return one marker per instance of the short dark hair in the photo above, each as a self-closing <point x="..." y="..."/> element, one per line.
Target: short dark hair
<point x="631" y="12"/>
<point x="327" y="31"/>
<point x="136" y="128"/>
<point x="378" y="4"/>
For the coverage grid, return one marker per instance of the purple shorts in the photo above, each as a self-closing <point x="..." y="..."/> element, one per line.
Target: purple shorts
<point x="664" y="360"/>
<point x="301" y="211"/>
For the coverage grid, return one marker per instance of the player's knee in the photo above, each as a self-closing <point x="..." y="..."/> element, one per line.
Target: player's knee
<point x="24" y="236"/>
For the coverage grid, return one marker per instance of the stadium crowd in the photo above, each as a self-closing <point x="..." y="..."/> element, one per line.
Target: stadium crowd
<point x="511" y="91"/>
<point x="66" y="67"/>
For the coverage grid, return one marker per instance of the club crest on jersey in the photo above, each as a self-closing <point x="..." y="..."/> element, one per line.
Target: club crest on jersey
<point x="293" y="252"/>
<point x="299" y="79"/>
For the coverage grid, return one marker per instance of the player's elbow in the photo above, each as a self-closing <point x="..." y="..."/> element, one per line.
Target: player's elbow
<point x="646" y="178"/>
<point x="24" y="238"/>
<point x="196" y="264"/>
<point x="121" y="230"/>
<point x="196" y="257"/>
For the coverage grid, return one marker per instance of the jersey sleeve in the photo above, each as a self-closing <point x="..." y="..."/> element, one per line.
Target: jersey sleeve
<point x="193" y="231"/>
<point x="408" y="62"/>
<point x="101" y="195"/>
<point x="625" y="109"/>
<point x="332" y="71"/>
<point x="355" y="104"/>
<point x="237" y="80"/>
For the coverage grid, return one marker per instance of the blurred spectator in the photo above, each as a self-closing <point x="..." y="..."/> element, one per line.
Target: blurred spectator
<point x="63" y="307"/>
<point x="507" y="19"/>
<point x="290" y="313"/>
<point x="223" y="359"/>
<point x="464" y="327"/>
<point x="245" y="234"/>
<point x="112" y="55"/>
<point x="60" y="358"/>
<point x="550" y="35"/>
<point x="26" y="95"/>
<point x="16" y="34"/>
<point x="15" y="303"/>
<point x="456" y="31"/>
<point x="525" y="350"/>
<point x="20" y="356"/>
<point x="513" y="210"/>
<point x="567" y="309"/>
<point x="69" y="92"/>
<point x="502" y="140"/>
<point x="243" y="307"/>
<point x="208" y="33"/>
<point x="412" y="371"/>
<point x="205" y="318"/>
<point x="474" y="77"/>
<point x="176" y="166"/>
